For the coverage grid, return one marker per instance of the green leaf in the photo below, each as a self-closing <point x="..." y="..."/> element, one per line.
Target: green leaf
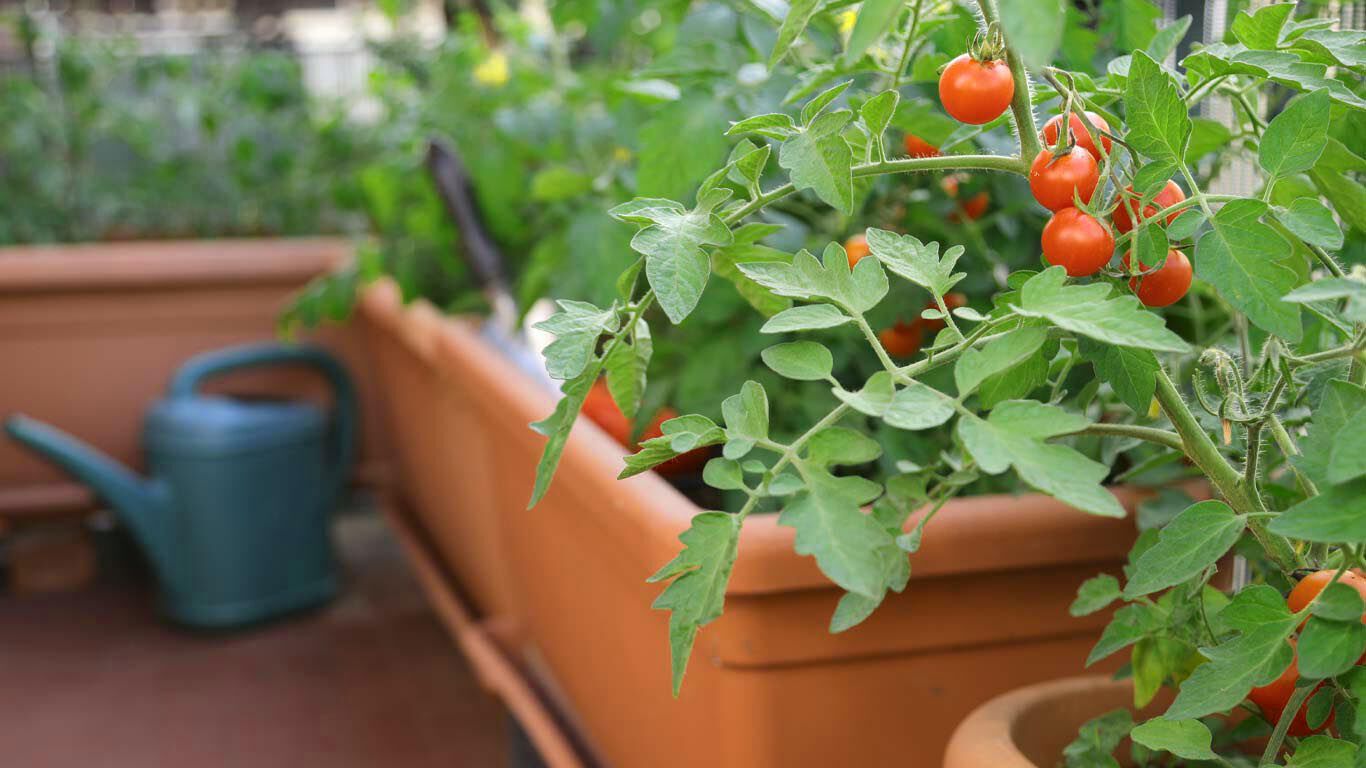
<point x="810" y="317"/>
<point x="1311" y="221"/>
<point x="578" y="326"/>
<point x="1257" y="655"/>
<point x="1339" y="602"/>
<point x="626" y="366"/>
<point x="681" y="435"/>
<point x="1252" y="267"/>
<point x="556" y="427"/>
<point x="852" y="610"/>
<point x="1091" y="311"/>
<point x="1131" y="373"/>
<point x="1159" y="122"/>
<point x="1130" y="624"/>
<point x="1262" y="30"/>
<point x="1095" y="594"/>
<point x="1294" y="140"/>
<point x="726" y="261"/>
<point x="841" y="446"/>
<point x="1097" y="739"/>
<point x="746" y="414"/>
<point x="671" y="243"/>
<point x="1188" y="739"/>
<point x="799" y="360"/>
<point x="1195" y="540"/>
<point x="849" y="546"/>
<point x="818" y="104"/>
<point x="1323" y="752"/>
<point x="1337" y="515"/>
<point x="918" y="406"/>
<point x="806" y="278"/>
<point x="774" y="125"/>
<point x="559" y="182"/>
<point x="1165" y="42"/>
<point x="1345" y="47"/>
<point x="877" y="112"/>
<point x="875" y="397"/>
<point x="819" y="159"/>
<point x="697" y="593"/>
<point x="1342" y="402"/>
<point x="979" y="363"/>
<point x="875" y="18"/>
<point x="1329" y="648"/>
<point x="1014" y="435"/>
<point x="723" y="474"/>
<point x="918" y="262"/>
<point x="799" y="13"/>
<point x="1347" y="458"/>
<point x="1033" y="28"/>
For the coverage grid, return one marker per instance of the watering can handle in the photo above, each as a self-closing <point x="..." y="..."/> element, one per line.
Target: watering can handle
<point x="209" y="364"/>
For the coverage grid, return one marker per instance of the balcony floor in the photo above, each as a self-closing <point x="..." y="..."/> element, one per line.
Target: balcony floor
<point x="94" y="678"/>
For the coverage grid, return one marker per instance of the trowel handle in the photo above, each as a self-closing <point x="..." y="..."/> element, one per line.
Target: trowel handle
<point x="204" y="366"/>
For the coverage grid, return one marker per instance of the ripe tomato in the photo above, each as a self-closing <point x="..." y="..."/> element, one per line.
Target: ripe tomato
<point x="901" y="340"/>
<point x="976" y="92"/>
<point x="918" y="147"/>
<point x="952" y="301"/>
<point x="1169" y="196"/>
<point x="602" y="410"/>
<point x="1053" y="179"/>
<point x="1078" y="242"/>
<point x="1272" y="698"/>
<point x="1313" y="584"/>
<point x="856" y="247"/>
<point x="1167" y="285"/>
<point x="975" y="207"/>
<point x="683" y="463"/>
<point x="1080" y="133"/>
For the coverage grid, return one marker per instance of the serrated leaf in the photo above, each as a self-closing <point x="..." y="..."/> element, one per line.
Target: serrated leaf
<point x="918" y="262"/>
<point x="1159" y="121"/>
<point x="1130" y="624"/>
<point x="1341" y="403"/>
<point x="1329" y="648"/>
<point x="1188" y="739"/>
<point x="626" y="366"/>
<point x="849" y="546"/>
<point x="1311" y="221"/>
<point x="696" y="596"/>
<point x="856" y="290"/>
<point x="1094" y="594"/>
<point x="1131" y="373"/>
<point x="671" y="243"/>
<point x="980" y="363"/>
<point x="852" y="610"/>
<point x="799" y="360"/>
<point x="556" y="427"/>
<point x="810" y="317"/>
<point x="817" y="105"/>
<point x="877" y="112"/>
<point x="1192" y="542"/>
<point x="1323" y="752"/>
<point x="1295" y="138"/>
<point x="748" y="168"/>
<point x="746" y="414"/>
<point x="1257" y="655"/>
<point x="819" y="159"/>
<point x="774" y="125"/>
<point x="1090" y="311"/>
<point x="1251" y="266"/>
<point x="1014" y="435"/>
<point x="1339" y="602"/>
<point x="799" y="13"/>
<point x="680" y="435"/>
<point x="577" y="326"/>
<point x="1262" y="30"/>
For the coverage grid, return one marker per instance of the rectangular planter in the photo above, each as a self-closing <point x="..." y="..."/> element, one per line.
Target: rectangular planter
<point x="986" y="610"/>
<point x="89" y="336"/>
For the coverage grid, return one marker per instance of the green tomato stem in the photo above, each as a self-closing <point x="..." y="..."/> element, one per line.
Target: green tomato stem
<point x="1027" y="131"/>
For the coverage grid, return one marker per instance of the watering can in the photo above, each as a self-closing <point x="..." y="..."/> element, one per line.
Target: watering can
<point x="235" y="516"/>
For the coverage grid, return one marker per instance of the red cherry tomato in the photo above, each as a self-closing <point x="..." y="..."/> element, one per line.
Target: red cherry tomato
<point x="901" y="340"/>
<point x="1272" y="698"/>
<point x="976" y="206"/>
<point x="1312" y="585"/>
<point x="918" y="147"/>
<point x="1054" y="179"/>
<point x="1080" y="133"/>
<point x="1169" y="196"/>
<point x="976" y="92"/>
<point x="1167" y="285"/>
<point x="856" y="247"/>
<point x="1078" y="242"/>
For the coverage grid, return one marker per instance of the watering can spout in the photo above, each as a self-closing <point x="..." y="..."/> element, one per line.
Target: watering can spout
<point x="137" y="501"/>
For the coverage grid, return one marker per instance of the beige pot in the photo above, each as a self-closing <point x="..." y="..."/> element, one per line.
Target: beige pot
<point x="89" y="336"/>
<point x="986" y="610"/>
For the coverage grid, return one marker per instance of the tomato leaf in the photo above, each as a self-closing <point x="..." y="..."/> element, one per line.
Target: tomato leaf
<point x="1341" y="404"/>
<point x="1329" y="648"/>
<point x="857" y="290"/>
<point x="1094" y="594"/>
<point x="556" y="427"/>
<point x="875" y="18"/>
<point x="1311" y="221"/>
<point x="918" y="262"/>
<point x="1159" y="121"/>
<point x="1252" y="266"/>
<point x="799" y="13"/>
<point x="851" y="549"/>
<point x="1262" y="30"/>
<point x="1033" y="28"/>
<point x="1131" y="373"/>
<point x="1130" y="624"/>
<point x="697" y="593"/>
<point x="626" y="366"/>
<point x="819" y="159"/>
<point x="1323" y="752"/>
<point x="1189" y="544"/>
<point x="681" y="435"/>
<point x="805" y="318"/>
<point x="980" y="363"/>
<point x="671" y="242"/>
<point x="1091" y="311"/>
<point x="1336" y="515"/>
<point x="746" y="413"/>
<point x="799" y="360"/>
<point x="1188" y="739"/>
<point x="1294" y="140"/>
<point x="577" y="327"/>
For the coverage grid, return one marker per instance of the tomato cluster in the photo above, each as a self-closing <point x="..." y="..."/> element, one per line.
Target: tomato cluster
<point x="1273" y="697"/>
<point x="601" y="408"/>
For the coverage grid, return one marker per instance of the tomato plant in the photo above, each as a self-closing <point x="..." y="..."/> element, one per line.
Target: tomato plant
<point x="1239" y="361"/>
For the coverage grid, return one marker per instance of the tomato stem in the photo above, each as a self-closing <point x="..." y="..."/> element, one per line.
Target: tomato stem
<point x="1021" y="106"/>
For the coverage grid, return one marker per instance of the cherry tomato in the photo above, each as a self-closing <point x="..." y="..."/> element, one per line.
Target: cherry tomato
<point x="856" y="247"/>
<point x="1053" y="179"/>
<point x="1078" y="242"/>
<point x="952" y="301"/>
<point x="1080" y="133"/>
<point x="901" y="340"/>
<point x="918" y="147"/>
<point x="1272" y="698"/>
<point x="602" y="410"/>
<point x="1169" y="196"/>
<point x="976" y="92"/>
<point x="975" y="207"/>
<point x="1167" y="285"/>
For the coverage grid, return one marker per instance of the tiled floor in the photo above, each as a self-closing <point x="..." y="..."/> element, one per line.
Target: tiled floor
<point x="95" y="679"/>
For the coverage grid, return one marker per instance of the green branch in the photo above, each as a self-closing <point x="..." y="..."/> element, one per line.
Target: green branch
<point x="1021" y="105"/>
<point x="1149" y="434"/>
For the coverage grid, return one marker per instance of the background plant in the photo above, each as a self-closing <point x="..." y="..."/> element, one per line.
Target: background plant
<point x="1270" y="345"/>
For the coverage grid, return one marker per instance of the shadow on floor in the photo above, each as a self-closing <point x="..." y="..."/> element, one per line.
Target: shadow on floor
<point x="95" y="678"/>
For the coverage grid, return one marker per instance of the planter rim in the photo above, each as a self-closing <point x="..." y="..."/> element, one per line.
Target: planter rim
<point x="975" y="535"/>
<point x="987" y="736"/>
<point x="167" y="263"/>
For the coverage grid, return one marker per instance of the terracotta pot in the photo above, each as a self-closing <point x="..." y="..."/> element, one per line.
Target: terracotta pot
<point x="89" y="335"/>
<point x="1029" y="727"/>
<point x="986" y="611"/>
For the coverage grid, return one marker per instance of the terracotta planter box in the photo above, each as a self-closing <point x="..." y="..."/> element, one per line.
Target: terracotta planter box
<point x="89" y="335"/>
<point x="986" y="611"/>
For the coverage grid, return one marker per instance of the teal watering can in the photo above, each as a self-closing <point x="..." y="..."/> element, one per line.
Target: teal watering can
<point x="235" y="517"/>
